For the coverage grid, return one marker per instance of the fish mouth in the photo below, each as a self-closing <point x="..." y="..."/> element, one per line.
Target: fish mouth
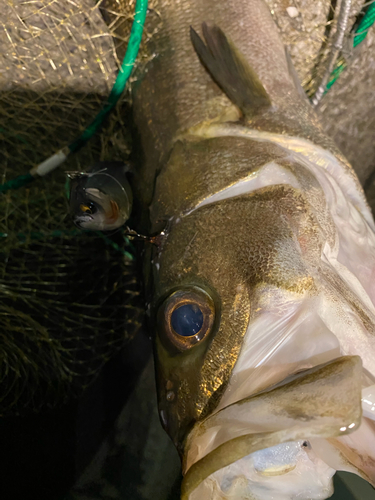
<point x="82" y="220"/>
<point x="320" y="402"/>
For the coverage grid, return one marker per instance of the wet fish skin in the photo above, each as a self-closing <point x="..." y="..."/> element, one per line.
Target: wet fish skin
<point x="257" y="200"/>
<point x="186" y="93"/>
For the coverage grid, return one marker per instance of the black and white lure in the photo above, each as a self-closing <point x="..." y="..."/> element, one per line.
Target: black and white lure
<point x="101" y="199"/>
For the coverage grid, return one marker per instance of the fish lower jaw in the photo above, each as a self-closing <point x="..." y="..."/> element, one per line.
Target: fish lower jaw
<point x="283" y="472"/>
<point x="258" y="448"/>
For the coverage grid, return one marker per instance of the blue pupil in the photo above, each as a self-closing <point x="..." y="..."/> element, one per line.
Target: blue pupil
<point x="187" y="320"/>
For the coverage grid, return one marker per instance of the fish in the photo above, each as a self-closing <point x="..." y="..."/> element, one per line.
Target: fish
<point x="100" y="199"/>
<point x="261" y="287"/>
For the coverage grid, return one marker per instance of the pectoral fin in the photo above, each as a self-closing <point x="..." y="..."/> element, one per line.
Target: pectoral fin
<point x="230" y="70"/>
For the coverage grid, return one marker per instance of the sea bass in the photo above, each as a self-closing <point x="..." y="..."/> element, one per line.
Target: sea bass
<point x="261" y="286"/>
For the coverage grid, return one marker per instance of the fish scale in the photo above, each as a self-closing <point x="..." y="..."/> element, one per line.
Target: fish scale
<point x="236" y="168"/>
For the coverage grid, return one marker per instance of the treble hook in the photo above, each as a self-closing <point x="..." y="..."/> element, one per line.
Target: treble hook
<point x="154" y="240"/>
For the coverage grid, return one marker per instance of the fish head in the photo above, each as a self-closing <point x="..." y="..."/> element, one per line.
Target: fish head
<point x="226" y="278"/>
<point x="215" y="269"/>
<point x="99" y="201"/>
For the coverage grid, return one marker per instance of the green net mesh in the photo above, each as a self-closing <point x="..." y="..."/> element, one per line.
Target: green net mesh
<point x="69" y="300"/>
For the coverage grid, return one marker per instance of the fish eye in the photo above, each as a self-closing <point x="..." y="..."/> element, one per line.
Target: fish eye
<point x="186" y="317"/>
<point x="88" y="208"/>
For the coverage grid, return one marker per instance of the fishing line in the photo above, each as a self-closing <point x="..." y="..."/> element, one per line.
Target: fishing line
<point x="337" y="63"/>
<point x="337" y="46"/>
<point x="127" y="65"/>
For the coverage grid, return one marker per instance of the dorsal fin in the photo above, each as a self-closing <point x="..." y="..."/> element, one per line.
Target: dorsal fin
<point x="230" y="70"/>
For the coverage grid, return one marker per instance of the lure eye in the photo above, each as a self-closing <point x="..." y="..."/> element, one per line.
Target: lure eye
<point x="186" y="317"/>
<point x="88" y="208"/>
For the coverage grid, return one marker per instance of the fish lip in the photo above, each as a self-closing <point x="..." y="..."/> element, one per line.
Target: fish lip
<point x="236" y="448"/>
<point x="229" y="452"/>
<point x="78" y="221"/>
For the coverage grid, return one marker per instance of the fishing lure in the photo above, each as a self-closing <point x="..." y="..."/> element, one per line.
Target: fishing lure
<point x="101" y="199"/>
